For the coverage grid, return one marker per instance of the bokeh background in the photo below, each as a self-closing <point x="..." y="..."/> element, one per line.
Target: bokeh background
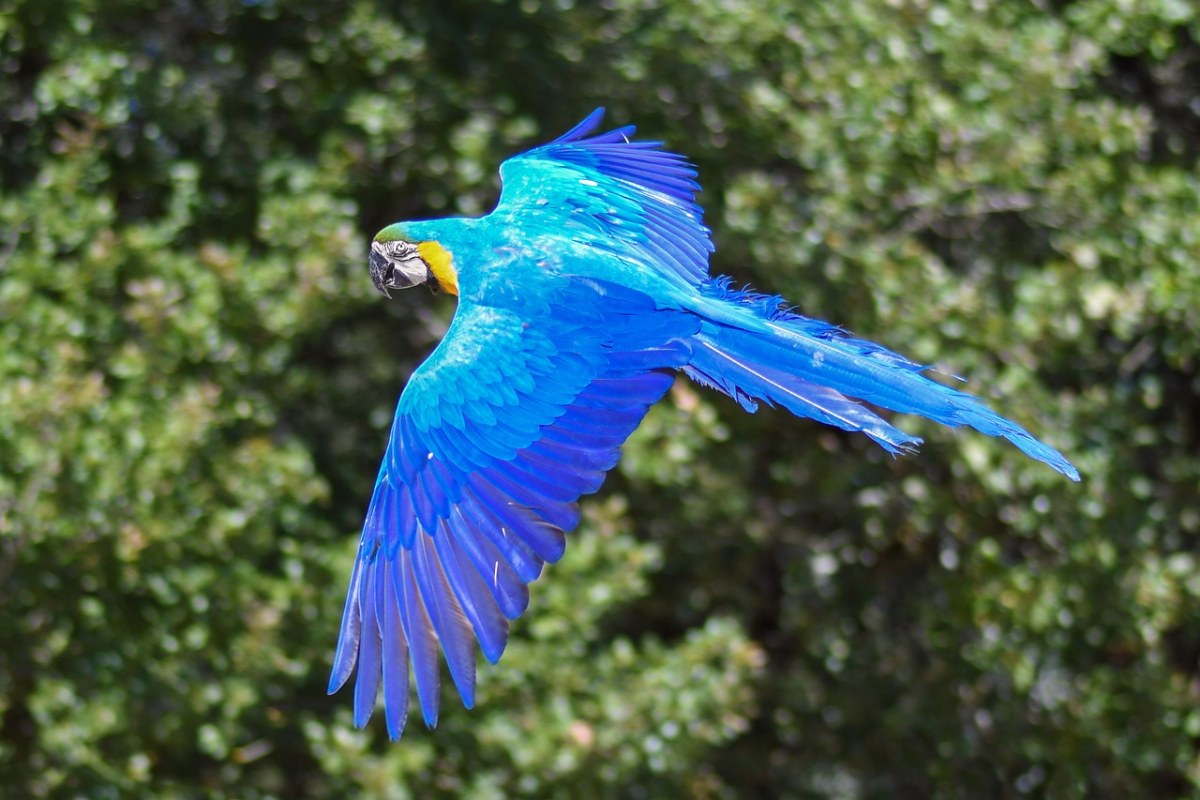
<point x="196" y="379"/>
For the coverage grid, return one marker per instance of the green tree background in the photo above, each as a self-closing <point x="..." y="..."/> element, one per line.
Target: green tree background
<point x="196" y="378"/>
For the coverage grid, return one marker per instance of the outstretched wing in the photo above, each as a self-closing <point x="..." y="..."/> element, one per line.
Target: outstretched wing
<point x="627" y="197"/>
<point x="510" y="420"/>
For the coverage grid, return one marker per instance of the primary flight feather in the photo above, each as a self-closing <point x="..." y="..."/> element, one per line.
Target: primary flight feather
<point x="579" y="298"/>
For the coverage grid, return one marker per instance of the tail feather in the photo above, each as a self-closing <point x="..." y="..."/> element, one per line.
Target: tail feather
<point x="814" y="369"/>
<point x="749" y="382"/>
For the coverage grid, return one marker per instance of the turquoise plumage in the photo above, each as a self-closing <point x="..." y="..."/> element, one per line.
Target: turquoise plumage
<point x="580" y="297"/>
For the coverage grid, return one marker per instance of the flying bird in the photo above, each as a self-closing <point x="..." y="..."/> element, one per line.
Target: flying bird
<point x="580" y="297"/>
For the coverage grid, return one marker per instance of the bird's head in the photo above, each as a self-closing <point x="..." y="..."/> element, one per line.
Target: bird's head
<point x="401" y="258"/>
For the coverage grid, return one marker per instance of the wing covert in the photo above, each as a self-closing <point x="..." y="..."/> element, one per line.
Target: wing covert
<point x="496" y="436"/>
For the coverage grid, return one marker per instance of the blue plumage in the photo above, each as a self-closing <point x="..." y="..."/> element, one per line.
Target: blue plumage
<point x="581" y="296"/>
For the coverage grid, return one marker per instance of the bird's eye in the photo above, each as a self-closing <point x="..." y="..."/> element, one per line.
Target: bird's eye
<point x="398" y="250"/>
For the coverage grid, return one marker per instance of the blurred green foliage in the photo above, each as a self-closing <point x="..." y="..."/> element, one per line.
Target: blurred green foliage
<point x="196" y="380"/>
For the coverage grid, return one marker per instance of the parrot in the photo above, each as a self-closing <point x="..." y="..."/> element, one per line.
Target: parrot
<point x="580" y="298"/>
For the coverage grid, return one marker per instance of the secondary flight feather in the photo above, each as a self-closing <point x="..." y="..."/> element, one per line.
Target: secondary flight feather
<point x="580" y="298"/>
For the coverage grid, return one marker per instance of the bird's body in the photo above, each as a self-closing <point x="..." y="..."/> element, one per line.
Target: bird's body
<point x="580" y="298"/>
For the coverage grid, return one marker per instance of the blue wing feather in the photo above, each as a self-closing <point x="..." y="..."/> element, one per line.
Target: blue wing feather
<point x="404" y="521"/>
<point x="476" y="601"/>
<point x="507" y="587"/>
<point x="346" y="654"/>
<point x="543" y="461"/>
<point x="492" y="527"/>
<point x="576" y="458"/>
<point x="419" y="633"/>
<point x="451" y="625"/>
<point x="370" y="666"/>
<point x="395" y="662"/>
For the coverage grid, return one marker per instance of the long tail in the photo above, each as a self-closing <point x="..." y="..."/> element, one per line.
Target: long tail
<point x="754" y="350"/>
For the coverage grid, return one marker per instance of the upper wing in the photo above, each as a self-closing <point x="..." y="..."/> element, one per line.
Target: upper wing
<point x="629" y="197"/>
<point x="513" y="417"/>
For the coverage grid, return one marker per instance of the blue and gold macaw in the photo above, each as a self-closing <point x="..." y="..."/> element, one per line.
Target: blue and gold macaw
<point x="579" y="298"/>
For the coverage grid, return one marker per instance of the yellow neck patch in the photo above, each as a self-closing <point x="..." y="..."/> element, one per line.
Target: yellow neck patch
<point x="440" y="263"/>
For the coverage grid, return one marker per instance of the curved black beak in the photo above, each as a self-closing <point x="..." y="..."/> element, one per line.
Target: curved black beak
<point x="381" y="270"/>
